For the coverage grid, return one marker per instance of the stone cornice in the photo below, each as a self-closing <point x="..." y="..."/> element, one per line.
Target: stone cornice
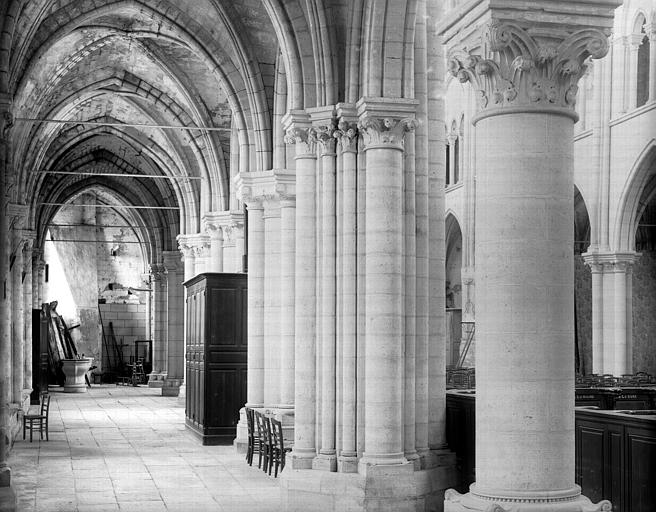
<point x="526" y="56"/>
<point x="285" y="184"/>
<point x="253" y="188"/>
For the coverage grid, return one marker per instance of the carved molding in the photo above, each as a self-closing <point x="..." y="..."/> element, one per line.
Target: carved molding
<point x="603" y="263"/>
<point x="530" y="70"/>
<point x="171" y="261"/>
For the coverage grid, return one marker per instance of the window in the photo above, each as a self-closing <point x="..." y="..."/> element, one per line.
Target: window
<point x="643" y="71"/>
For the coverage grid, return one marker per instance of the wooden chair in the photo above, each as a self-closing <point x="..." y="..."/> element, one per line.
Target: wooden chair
<point x="38" y="421"/>
<point x="255" y="441"/>
<point x="278" y="449"/>
<point x="263" y="452"/>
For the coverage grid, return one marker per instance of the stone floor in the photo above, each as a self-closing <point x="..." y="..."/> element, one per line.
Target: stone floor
<point x="126" y="449"/>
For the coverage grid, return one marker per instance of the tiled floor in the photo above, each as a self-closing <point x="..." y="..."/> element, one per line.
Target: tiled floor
<point x="126" y="449"/>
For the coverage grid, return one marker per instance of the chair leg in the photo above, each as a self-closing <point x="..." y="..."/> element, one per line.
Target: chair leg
<point x="31" y="430"/>
<point x="24" y="423"/>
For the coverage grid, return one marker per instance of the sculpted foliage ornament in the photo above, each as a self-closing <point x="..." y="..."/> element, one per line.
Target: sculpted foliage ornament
<point x="304" y="138"/>
<point x="347" y="136"/>
<point x="522" y="69"/>
<point x="385" y="131"/>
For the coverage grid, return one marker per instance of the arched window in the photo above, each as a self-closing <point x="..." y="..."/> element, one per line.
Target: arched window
<point x="642" y="61"/>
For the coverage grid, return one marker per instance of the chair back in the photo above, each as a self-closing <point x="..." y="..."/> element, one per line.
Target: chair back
<point x="45" y="404"/>
<point x="268" y="437"/>
<point x="259" y="422"/>
<point x="276" y="431"/>
<point x="250" y="421"/>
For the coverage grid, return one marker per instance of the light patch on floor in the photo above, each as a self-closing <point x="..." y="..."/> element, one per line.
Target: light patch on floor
<point x="126" y="449"/>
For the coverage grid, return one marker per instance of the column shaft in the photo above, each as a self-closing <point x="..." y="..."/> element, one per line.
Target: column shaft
<point x="18" y="322"/>
<point x="175" y="323"/>
<point x="349" y="304"/>
<point x="608" y="320"/>
<point x="597" y="319"/>
<point x="27" y="320"/>
<point x="652" y="61"/>
<point x="255" y="376"/>
<point x="305" y="309"/>
<point x="410" y="327"/>
<point x="384" y="307"/>
<point x="328" y="305"/>
<point x="287" y="262"/>
<point x="524" y="276"/>
<point x="216" y="252"/>
<point x="272" y="345"/>
<point x="619" y="338"/>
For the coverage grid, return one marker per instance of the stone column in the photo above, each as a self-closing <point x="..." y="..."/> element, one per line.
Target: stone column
<point x="526" y="75"/>
<point x="612" y="317"/>
<point x="272" y="346"/>
<point x="246" y="191"/>
<point x="28" y="288"/>
<point x="18" y="322"/>
<point x="285" y="188"/>
<point x="651" y="32"/>
<point x="300" y="133"/>
<point x="159" y="309"/>
<point x="174" y="322"/>
<point x="215" y="231"/>
<point x="7" y="494"/>
<point x="347" y="136"/>
<point x="383" y="125"/>
<point x="322" y="119"/>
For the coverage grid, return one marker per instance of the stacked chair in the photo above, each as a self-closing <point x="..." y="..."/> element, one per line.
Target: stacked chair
<point x="266" y="440"/>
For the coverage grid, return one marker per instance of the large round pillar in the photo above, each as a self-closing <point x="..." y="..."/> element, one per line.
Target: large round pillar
<point x="525" y="309"/>
<point x="303" y="137"/>
<point x="526" y="87"/>
<point x="384" y="283"/>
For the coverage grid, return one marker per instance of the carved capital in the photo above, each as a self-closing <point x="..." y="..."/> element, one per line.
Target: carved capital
<point x="385" y="131"/>
<point x="157" y="271"/>
<point x="528" y="70"/>
<point x="253" y="188"/>
<point x="171" y="261"/>
<point x="305" y="139"/>
<point x="617" y="262"/>
<point x="326" y="139"/>
<point x="194" y="246"/>
<point x="347" y="136"/>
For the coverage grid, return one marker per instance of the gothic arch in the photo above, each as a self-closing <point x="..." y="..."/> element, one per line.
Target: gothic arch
<point x="632" y="202"/>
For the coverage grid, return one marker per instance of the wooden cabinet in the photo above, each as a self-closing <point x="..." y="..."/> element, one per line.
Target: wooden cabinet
<point x="615" y="451"/>
<point x="616" y="458"/>
<point x="216" y="355"/>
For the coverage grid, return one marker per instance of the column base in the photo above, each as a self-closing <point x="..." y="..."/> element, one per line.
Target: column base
<point x="303" y="459"/>
<point x="241" y="440"/>
<point x="156" y="380"/>
<point x="570" y="501"/>
<point x="347" y="464"/>
<point x="395" y="488"/>
<point x="8" y="500"/>
<point x="325" y="462"/>
<point x="171" y="387"/>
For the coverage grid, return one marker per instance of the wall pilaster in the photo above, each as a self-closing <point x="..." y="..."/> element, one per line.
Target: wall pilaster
<point x="174" y="323"/>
